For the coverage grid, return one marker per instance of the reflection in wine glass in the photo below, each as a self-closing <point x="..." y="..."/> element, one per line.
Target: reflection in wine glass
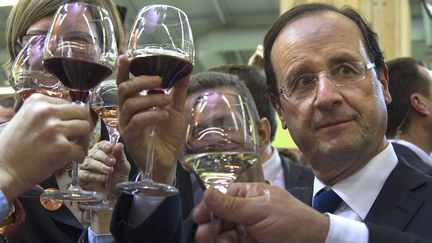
<point x="28" y="75"/>
<point x="161" y="44"/>
<point x="80" y="50"/>
<point x="221" y="140"/>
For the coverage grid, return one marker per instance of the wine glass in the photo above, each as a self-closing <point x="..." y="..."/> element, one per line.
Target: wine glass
<point x="221" y="141"/>
<point x="105" y="102"/>
<point x="29" y="76"/>
<point x="160" y="43"/>
<point x="80" y="50"/>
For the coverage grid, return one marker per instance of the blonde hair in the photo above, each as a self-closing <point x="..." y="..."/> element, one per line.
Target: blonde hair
<point x="27" y="12"/>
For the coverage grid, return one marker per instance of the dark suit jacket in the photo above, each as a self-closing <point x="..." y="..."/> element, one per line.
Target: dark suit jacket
<point x="412" y="158"/>
<point x="402" y="210"/>
<point x="296" y="175"/>
<point x="163" y="227"/>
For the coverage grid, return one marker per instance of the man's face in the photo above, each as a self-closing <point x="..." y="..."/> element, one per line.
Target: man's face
<point x="217" y="119"/>
<point x="337" y="128"/>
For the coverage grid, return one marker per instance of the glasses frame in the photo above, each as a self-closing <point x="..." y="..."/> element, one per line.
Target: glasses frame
<point x="283" y="90"/>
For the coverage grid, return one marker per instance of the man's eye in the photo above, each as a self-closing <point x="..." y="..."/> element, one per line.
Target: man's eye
<point x="347" y="69"/>
<point x="303" y="82"/>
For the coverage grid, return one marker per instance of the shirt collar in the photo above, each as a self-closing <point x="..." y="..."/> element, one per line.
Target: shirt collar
<point x="420" y="152"/>
<point x="360" y="190"/>
<point x="272" y="166"/>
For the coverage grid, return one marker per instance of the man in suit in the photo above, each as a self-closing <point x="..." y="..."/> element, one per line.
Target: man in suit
<point x="410" y="112"/>
<point x="329" y="84"/>
<point x="278" y="170"/>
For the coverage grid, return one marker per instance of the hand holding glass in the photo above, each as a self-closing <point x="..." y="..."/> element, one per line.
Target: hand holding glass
<point x="161" y="44"/>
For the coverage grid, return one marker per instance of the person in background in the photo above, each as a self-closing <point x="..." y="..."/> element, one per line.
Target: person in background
<point x="278" y="170"/>
<point x="59" y="130"/>
<point x="293" y="154"/>
<point x="136" y="218"/>
<point x="6" y="108"/>
<point x="58" y="221"/>
<point x="410" y="112"/>
<point x="329" y="84"/>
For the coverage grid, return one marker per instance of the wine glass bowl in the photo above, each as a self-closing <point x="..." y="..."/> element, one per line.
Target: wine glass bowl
<point x="221" y="141"/>
<point x="28" y="75"/>
<point x="80" y="50"/>
<point x="160" y="44"/>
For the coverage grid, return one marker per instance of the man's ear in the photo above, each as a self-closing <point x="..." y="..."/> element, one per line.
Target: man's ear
<point x="263" y="133"/>
<point x="278" y="108"/>
<point x="384" y="79"/>
<point x="419" y="104"/>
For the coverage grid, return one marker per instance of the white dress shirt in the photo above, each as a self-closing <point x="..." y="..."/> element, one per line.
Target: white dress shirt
<point x="273" y="171"/>
<point x="358" y="192"/>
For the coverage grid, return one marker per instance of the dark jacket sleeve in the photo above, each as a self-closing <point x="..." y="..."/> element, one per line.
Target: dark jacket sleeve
<point x="164" y="225"/>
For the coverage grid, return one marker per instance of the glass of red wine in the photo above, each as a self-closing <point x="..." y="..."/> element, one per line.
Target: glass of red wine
<point x="29" y="76"/>
<point x="80" y="50"/>
<point x="160" y="43"/>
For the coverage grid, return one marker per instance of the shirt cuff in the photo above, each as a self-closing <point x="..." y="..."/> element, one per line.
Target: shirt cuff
<point x="344" y="230"/>
<point x="4" y="205"/>
<point x="101" y="238"/>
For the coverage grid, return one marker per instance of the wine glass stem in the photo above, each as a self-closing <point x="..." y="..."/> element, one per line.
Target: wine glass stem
<point x="148" y="174"/>
<point x="113" y="137"/>
<point x="74" y="184"/>
<point x="215" y="227"/>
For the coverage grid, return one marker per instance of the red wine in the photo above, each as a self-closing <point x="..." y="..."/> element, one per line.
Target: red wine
<point x="170" y="68"/>
<point x="77" y="74"/>
<point x="25" y="93"/>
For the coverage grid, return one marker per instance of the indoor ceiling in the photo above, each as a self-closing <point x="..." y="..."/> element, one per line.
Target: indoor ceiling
<point x="225" y="31"/>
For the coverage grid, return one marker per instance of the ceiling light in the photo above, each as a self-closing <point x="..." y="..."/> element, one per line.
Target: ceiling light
<point x="5" y="3"/>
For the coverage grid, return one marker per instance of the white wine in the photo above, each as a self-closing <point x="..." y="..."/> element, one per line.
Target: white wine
<point x="108" y="114"/>
<point x="219" y="168"/>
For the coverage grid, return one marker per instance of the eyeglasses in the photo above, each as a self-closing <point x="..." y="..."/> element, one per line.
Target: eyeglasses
<point x="73" y="37"/>
<point x="341" y="74"/>
<point x="23" y="40"/>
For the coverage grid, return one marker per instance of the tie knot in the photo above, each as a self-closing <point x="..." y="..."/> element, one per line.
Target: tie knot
<point x="326" y="201"/>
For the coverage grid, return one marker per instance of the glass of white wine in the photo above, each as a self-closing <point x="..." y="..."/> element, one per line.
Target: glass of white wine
<point x="221" y="140"/>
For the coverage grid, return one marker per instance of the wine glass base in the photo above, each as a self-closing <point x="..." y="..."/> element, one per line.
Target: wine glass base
<point x="147" y="188"/>
<point x="97" y="207"/>
<point x="74" y="195"/>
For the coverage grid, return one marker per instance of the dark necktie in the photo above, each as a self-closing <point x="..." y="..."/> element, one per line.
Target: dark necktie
<point x="326" y="201"/>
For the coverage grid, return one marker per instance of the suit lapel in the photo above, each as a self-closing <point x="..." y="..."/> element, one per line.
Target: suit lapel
<point x="291" y="173"/>
<point x="400" y="198"/>
<point x="303" y="194"/>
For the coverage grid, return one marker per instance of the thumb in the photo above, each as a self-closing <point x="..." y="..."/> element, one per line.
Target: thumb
<point x="238" y="210"/>
<point x="122" y="165"/>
